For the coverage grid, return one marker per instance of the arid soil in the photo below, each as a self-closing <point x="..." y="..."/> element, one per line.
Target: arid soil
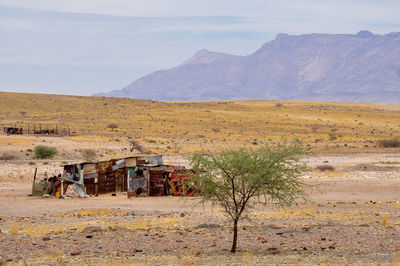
<point x="352" y="216"/>
<point x="347" y="222"/>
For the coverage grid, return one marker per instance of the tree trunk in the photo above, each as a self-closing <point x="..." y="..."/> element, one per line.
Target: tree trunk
<point x="235" y="230"/>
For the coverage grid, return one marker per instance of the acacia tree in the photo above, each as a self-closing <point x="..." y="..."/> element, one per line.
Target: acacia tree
<point x="239" y="179"/>
<point x="112" y="126"/>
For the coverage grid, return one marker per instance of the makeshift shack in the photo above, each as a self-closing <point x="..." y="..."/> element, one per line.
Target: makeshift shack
<point x="138" y="175"/>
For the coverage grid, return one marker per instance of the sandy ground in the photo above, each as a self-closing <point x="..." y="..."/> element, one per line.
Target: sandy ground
<point x="352" y="218"/>
<point x="347" y="222"/>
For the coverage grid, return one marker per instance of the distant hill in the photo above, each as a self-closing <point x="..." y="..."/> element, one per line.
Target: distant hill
<point x="364" y="67"/>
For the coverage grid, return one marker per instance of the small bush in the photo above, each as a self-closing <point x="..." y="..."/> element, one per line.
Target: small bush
<point x="88" y="154"/>
<point x="278" y="104"/>
<point x="8" y="157"/>
<point x="44" y="152"/>
<point x="112" y="126"/>
<point x="325" y="167"/>
<point x="389" y="143"/>
<point x="332" y="136"/>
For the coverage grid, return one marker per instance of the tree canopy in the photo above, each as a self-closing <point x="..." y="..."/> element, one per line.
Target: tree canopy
<point x="238" y="179"/>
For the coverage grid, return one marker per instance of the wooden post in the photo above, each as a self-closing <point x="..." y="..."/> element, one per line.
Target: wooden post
<point x="81" y="176"/>
<point x="34" y="180"/>
<point x="146" y="174"/>
<point x="96" y="186"/>
<point x="28" y="128"/>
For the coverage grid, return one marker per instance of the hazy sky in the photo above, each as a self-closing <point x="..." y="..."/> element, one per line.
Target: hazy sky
<point x="88" y="46"/>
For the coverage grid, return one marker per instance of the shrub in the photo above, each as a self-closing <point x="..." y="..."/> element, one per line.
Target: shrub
<point x="44" y="152"/>
<point x="389" y="143"/>
<point x="88" y="154"/>
<point x="325" y="167"/>
<point x="112" y="126"/>
<point x="8" y="156"/>
<point x="332" y="136"/>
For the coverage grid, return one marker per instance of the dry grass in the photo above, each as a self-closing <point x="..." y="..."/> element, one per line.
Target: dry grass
<point x="184" y="127"/>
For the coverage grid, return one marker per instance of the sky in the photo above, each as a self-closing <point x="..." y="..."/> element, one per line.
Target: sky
<point x="82" y="47"/>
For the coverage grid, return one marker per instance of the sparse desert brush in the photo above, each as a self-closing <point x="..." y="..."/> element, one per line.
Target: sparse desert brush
<point x="325" y="167"/>
<point x="14" y="229"/>
<point x="389" y="143"/>
<point x="332" y="136"/>
<point x="88" y="154"/>
<point x="8" y="157"/>
<point x="196" y="122"/>
<point x="45" y="152"/>
<point x="112" y="126"/>
<point x="385" y="219"/>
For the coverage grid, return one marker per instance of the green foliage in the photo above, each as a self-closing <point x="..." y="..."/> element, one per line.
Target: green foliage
<point x="44" y="152"/>
<point x="389" y="143"/>
<point x="239" y="179"/>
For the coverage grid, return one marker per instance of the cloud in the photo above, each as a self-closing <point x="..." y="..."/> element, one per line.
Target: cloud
<point x="143" y="36"/>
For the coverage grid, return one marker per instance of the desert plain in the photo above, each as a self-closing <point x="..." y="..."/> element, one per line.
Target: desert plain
<point x="352" y="216"/>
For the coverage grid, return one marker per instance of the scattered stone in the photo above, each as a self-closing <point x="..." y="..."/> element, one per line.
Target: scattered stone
<point x="46" y="238"/>
<point x="138" y="250"/>
<point x="89" y="236"/>
<point x="182" y="214"/>
<point x="46" y="196"/>
<point x="113" y="194"/>
<point x="176" y="226"/>
<point x="279" y="233"/>
<point x="305" y="248"/>
<point x="323" y="238"/>
<point x="75" y="252"/>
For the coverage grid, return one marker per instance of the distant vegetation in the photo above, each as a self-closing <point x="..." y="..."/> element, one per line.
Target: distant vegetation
<point x="389" y="143"/>
<point x="112" y="126"/>
<point x="8" y="157"/>
<point x="44" y="152"/>
<point x="189" y="127"/>
<point x="88" y="154"/>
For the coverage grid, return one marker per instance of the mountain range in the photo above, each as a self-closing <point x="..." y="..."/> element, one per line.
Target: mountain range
<point x="362" y="67"/>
